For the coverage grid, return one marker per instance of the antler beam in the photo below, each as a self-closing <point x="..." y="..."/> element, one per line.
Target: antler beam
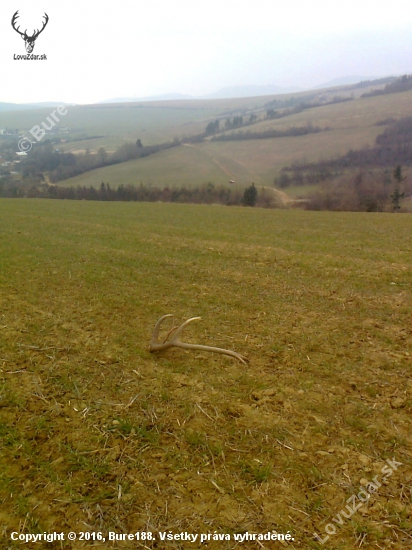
<point x="174" y="341"/>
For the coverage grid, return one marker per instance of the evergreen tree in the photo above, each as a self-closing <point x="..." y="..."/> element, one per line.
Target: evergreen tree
<point x="397" y="195"/>
<point x="250" y="195"/>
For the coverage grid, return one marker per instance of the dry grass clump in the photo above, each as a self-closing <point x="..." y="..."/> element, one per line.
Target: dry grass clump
<point x="98" y="434"/>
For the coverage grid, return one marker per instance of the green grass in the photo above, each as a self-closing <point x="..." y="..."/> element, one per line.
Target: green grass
<point x="185" y="165"/>
<point x="94" y="429"/>
<point x="245" y="162"/>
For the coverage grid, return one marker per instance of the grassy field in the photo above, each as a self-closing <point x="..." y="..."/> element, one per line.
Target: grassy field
<point x="355" y="115"/>
<point x="184" y="165"/>
<point x="97" y="434"/>
<point x="244" y="161"/>
<point x="353" y="126"/>
<point x="152" y="122"/>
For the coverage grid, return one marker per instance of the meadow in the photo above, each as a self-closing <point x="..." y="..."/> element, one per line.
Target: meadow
<point x="98" y="434"/>
<point x="152" y="122"/>
<point x="353" y="125"/>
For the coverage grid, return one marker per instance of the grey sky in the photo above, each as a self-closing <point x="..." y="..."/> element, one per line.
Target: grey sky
<point x="98" y="50"/>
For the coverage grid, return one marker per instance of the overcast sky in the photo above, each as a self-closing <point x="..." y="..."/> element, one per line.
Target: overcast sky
<point x="98" y="50"/>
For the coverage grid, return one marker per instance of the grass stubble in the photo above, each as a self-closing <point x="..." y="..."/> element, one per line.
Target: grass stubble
<point x="97" y="434"/>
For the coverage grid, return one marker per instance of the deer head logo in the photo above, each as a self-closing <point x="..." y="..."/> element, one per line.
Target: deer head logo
<point x="28" y="40"/>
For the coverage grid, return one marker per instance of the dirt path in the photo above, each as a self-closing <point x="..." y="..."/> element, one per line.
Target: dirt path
<point x="224" y="170"/>
<point x="281" y="196"/>
<point x="285" y="199"/>
<point x="218" y="164"/>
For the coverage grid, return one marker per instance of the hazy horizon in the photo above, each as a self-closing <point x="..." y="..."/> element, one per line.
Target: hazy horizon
<point x="96" y="52"/>
<point x="222" y="93"/>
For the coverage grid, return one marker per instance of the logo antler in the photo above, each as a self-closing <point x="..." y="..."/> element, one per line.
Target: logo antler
<point x="29" y="40"/>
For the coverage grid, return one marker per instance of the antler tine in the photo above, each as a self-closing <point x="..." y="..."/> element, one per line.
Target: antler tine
<point x="175" y="338"/>
<point x="176" y="342"/>
<point x="155" y="338"/>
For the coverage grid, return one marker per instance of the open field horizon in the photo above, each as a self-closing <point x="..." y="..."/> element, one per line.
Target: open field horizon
<point x="98" y="434"/>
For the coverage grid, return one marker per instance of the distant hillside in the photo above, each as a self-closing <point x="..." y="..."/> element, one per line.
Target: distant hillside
<point x="354" y="125"/>
<point x="224" y="93"/>
<point x="344" y="81"/>
<point x="251" y="91"/>
<point x="4" y="107"/>
<point x="402" y="84"/>
<point x="229" y="92"/>
<point x="163" y="97"/>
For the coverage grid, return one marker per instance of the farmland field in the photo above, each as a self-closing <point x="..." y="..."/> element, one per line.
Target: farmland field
<point x="97" y="434"/>
<point x="353" y="125"/>
<point x="152" y="122"/>
<point x="245" y="161"/>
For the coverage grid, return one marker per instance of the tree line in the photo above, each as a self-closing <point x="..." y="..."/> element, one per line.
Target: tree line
<point x="402" y="84"/>
<point x="61" y="166"/>
<point x="364" y="191"/>
<point x="392" y="147"/>
<point x="207" y="193"/>
<point x="265" y="134"/>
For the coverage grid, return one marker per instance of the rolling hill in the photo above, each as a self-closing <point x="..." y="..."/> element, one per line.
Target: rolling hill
<point x="347" y="121"/>
<point x="353" y="124"/>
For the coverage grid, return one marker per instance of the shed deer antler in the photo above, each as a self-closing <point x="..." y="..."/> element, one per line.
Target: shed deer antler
<point x="175" y="342"/>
